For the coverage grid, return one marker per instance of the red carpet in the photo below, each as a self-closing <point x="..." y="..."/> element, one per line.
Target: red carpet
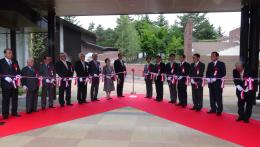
<point x="224" y="126"/>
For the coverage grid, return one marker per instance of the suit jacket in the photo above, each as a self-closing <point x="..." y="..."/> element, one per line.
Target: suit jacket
<point x="30" y="83"/>
<point x="183" y="70"/>
<point x="62" y="71"/>
<point x="159" y="69"/>
<point x="171" y="69"/>
<point x="5" y="69"/>
<point x="80" y="70"/>
<point x="240" y="79"/>
<point x="119" y="66"/>
<point x="217" y="71"/>
<point x="148" y="69"/>
<point x="94" y="68"/>
<point x="46" y="71"/>
<point x="197" y="71"/>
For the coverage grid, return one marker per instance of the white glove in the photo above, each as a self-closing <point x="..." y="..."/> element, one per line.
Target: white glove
<point x="208" y="80"/>
<point x="169" y="78"/>
<point x="70" y="79"/>
<point x="180" y="77"/>
<point x="108" y="77"/>
<point x="8" y="79"/>
<point x="95" y="75"/>
<point x="246" y="89"/>
<point x="239" y="88"/>
<point x="192" y="81"/>
<point x="48" y="81"/>
<point x="52" y="80"/>
<point x="24" y="87"/>
<point x="213" y="80"/>
<point x="80" y="79"/>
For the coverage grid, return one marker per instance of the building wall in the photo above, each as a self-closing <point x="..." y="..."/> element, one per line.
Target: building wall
<point x="72" y="43"/>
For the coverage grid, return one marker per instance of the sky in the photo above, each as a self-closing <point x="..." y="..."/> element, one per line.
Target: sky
<point x="227" y="21"/>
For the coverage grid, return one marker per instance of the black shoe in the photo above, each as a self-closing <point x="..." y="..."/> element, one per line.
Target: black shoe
<point x="69" y="104"/>
<point x="35" y="111"/>
<point x="43" y="108"/>
<point x="172" y="102"/>
<point x="198" y="110"/>
<point x="184" y="106"/>
<point x="16" y="115"/>
<point x="211" y="111"/>
<point x="84" y="102"/>
<point x="239" y="119"/>
<point x="28" y="112"/>
<point x="193" y="108"/>
<point x="219" y="113"/>
<point x="158" y="100"/>
<point x="5" y="117"/>
<point x="2" y="123"/>
<point x="52" y="107"/>
<point x="62" y="105"/>
<point x="246" y="121"/>
<point x="179" y="104"/>
<point x="97" y="100"/>
<point x="79" y="102"/>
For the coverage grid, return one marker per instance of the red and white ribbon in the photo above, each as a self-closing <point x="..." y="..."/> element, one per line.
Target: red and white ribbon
<point x="76" y="81"/>
<point x="249" y="83"/>
<point x="187" y="80"/>
<point x="242" y="94"/>
<point x="222" y="83"/>
<point x="162" y="77"/>
<point x="40" y="79"/>
<point x="203" y="82"/>
<point x="58" y="79"/>
<point x="18" y="80"/>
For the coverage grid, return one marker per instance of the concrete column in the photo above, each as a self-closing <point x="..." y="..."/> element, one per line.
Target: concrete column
<point x="188" y="40"/>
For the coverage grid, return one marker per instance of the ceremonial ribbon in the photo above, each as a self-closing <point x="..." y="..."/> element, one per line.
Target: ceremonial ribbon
<point x="249" y="82"/>
<point x="222" y="83"/>
<point x="40" y="81"/>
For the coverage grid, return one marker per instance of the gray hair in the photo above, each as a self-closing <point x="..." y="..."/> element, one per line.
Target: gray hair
<point x="81" y="54"/>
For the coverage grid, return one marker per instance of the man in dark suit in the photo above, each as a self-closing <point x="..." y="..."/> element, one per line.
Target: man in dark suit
<point x="65" y="70"/>
<point x="196" y="74"/>
<point x="183" y="72"/>
<point x="120" y="70"/>
<point x="216" y="70"/>
<point x="171" y="71"/>
<point x="245" y="94"/>
<point x="148" y="69"/>
<point x="94" y="71"/>
<point x="10" y="67"/>
<point x="30" y="85"/>
<point x="159" y="71"/>
<point x="48" y="84"/>
<point x="81" y="68"/>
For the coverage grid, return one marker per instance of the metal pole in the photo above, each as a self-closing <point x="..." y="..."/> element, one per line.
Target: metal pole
<point x="133" y="90"/>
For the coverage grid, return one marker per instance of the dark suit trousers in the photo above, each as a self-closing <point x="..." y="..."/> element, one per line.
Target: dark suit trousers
<point x="173" y="91"/>
<point x="82" y="92"/>
<point x="245" y="105"/>
<point x="63" y="89"/>
<point x="149" y="88"/>
<point x="47" y="91"/>
<point x="197" y="97"/>
<point x="9" y="95"/>
<point x="94" y="88"/>
<point x="182" y="94"/>
<point x="159" y="89"/>
<point x="120" y="85"/>
<point x="31" y="100"/>
<point x="215" y="94"/>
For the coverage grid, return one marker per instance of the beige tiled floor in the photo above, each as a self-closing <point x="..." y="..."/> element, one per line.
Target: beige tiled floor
<point x="126" y="127"/>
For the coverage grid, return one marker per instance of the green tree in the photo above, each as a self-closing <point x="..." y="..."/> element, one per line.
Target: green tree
<point x="72" y="19"/>
<point x="91" y="27"/>
<point x="203" y="29"/>
<point x="128" y="40"/>
<point x="38" y="46"/>
<point x="161" y="21"/>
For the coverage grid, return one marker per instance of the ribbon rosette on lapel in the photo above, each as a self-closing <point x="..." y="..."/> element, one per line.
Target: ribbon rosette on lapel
<point x="215" y="71"/>
<point x="15" y="66"/>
